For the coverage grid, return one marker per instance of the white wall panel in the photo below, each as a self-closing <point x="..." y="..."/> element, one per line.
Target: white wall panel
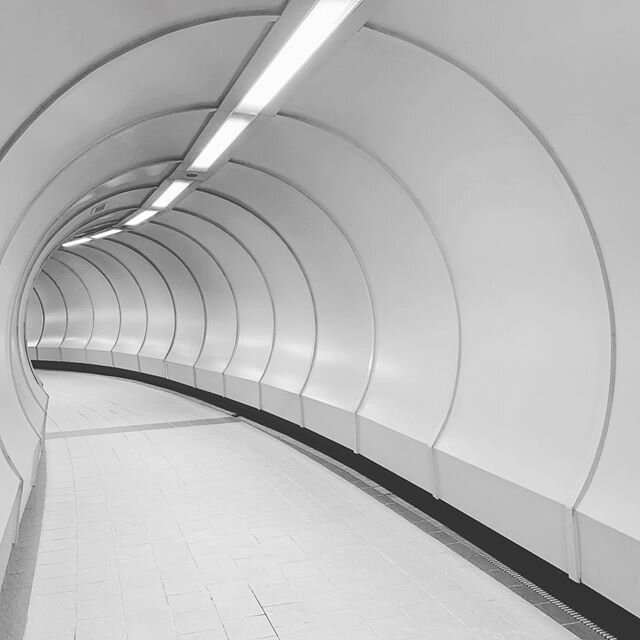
<point x="33" y="399"/>
<point x="220" y="304"/>
<point x="79" y="308"/>
<point x="400" y="257"/>
<point x="104" y="28"/>
<point x="35" y="323"/>
<point x="55" y="318"/>
<point x="104" y="303"/>
<point x="585" y="112"/>
<point x="532" y="306"/>
<point x="343" y="306"/>
<point x="294" y="334"/>
<point x="255" y="306"/>
<point x="186" y="341"/>
<point x="10" y="495"/>
<point x="158" y="301"/>
<point x="130" y="305"/>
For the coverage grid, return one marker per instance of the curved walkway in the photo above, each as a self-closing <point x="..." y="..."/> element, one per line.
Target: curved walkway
<point x="163" y="518"/>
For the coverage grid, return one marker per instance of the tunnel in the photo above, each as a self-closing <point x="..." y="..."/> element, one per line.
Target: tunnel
<point x="419" y="250"/>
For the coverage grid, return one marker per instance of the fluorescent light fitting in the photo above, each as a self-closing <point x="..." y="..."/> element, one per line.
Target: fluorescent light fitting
<point x="170" y="194"/>
<point x="73" y="243"/>
<point x="141" y="217"/>
<point x="323" y="19"/>
<point x="106" y="234"/>
<point x="221" y="140"/>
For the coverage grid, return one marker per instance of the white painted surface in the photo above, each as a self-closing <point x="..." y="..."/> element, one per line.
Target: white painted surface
<point x="78" y="307"/>
<point x="104" y="305"/>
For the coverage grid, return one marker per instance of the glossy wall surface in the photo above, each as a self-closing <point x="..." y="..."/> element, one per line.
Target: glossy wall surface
<point x="429" y="255"/>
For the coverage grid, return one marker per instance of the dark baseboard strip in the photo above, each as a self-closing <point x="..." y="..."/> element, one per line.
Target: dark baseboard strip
<point x="573" y="621"/>
<point x="539" y="574"/>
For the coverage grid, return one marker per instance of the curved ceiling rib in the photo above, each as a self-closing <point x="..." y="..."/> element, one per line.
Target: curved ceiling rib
<point x="549" y="149"/>
<point x="188" y="311"/>
<point x="293" y="254"/>
<point x="122" y="50"/>
<point x="325" y="212"/>
<point x="250" y="397"/>
<point x="420" y="207"/>
<point x="221" y="341"/>
<point x="75" y="302"/>
<point x="158" y="298"/>
<point x="133" y="334"/>
<point x="103" y="314"/>
<point x="59" y="328"/>
<point x="34" y="334"/>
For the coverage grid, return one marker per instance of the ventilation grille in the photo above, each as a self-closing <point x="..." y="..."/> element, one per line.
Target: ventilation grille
<point x="98" y="208"/>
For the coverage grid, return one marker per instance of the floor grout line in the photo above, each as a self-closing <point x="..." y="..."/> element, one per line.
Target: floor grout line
<point x="151" y="426"/>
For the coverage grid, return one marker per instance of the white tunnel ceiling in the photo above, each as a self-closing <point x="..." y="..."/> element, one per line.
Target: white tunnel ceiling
<point x="429" y="244"/>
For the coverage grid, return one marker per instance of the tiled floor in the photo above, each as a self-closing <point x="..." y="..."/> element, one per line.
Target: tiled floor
<point x="221" y="531"/>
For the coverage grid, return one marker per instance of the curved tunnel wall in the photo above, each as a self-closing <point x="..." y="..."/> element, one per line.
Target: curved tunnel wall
<point x="428" y="256"/>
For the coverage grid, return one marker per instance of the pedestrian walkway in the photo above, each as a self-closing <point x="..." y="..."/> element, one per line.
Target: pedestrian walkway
<point x="163" y="518"/>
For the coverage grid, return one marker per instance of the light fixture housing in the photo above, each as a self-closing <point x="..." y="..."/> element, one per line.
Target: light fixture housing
<point x="141" y="217"/>
<point x="312" y="32"/>
<point x="221" y="140"/>
<point x="106" y="233"/>
<point x="76" y="241"/>
<point x="170" y="193"/>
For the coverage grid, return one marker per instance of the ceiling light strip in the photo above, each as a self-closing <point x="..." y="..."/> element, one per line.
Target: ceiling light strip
<point x="76" y="241"/>
<point x="312" y="32"/>
<point x="221" y="140"/>
<point x="141" y="217"/>
<point x="106" y="234"/>
<point x="166" y="198"/>
<point x="175" y="188"/>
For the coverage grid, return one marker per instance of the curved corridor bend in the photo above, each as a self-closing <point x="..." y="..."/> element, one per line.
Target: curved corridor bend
<point x="165" y="518"/>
